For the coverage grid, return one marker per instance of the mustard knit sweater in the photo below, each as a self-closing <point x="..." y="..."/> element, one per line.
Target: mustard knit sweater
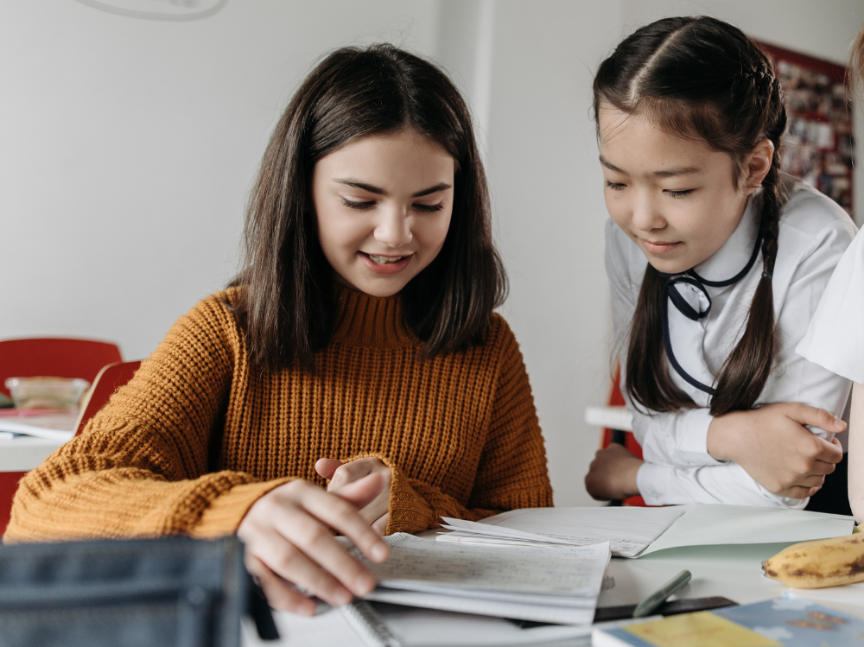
<point x="199" y="434"/>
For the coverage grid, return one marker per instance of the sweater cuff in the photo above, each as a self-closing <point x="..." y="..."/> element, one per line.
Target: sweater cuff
<point x="407" y="511"/>
<point x="225" y="512"/>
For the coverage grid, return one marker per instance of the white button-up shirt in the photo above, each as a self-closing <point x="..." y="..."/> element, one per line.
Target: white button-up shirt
<point x="835" y="338"/>
<point x="813" y="234"/>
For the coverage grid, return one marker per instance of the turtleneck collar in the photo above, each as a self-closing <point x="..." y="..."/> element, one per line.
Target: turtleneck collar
<point x="733" y="256"/>
<point x="370" y="321"/>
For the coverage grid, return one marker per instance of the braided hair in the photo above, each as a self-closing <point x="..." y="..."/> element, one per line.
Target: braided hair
<point x="700" y="77"/>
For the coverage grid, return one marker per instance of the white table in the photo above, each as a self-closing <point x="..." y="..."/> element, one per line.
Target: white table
<point x="24" y="453"/>
<point x="733" y="572"/>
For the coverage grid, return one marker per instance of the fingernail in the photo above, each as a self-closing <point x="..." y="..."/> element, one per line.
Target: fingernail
<point x="308" y="608"/>
<point x="364" y="584"/>
<point x="342" y="598"/>
<point x="380" y="552"/>
<point x="838" y="424"/>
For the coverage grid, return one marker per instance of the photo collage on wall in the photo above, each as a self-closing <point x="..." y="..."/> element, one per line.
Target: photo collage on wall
<point x="819" y="145"/>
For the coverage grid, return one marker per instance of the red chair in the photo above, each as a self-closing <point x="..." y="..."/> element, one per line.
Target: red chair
<point x="626" y="438"/>
<point x="110" y="378"/>
<point x="55" y="357"/>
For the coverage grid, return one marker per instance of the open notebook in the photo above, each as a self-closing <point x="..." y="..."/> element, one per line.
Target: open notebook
<point x="559" y="584"/>
<point x="634" y="532"/>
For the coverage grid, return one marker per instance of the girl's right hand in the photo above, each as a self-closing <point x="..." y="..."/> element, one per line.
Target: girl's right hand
<point x="289" y="543"/>
<point x="775" y="448"/>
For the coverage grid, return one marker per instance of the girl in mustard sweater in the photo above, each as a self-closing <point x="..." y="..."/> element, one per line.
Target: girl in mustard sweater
<point x="357" y="346"/>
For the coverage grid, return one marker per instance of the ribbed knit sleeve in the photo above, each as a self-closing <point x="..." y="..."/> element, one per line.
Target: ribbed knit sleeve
<point x="141" y="466"/>
<point x="512" y="471"/>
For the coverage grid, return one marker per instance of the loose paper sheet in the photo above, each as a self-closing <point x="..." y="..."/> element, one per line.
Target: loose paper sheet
<point x="628" y="530"/>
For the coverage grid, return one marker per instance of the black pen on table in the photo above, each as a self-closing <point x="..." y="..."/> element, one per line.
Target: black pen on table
<point x="649" y="604"/>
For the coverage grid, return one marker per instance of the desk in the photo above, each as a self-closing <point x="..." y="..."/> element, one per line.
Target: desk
<point x="729" y="571"/>
<point x="20" y="454"/>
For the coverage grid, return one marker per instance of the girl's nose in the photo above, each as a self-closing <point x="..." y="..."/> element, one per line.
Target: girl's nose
<point x="646" y="216"/>
<point x="394" y="229"/>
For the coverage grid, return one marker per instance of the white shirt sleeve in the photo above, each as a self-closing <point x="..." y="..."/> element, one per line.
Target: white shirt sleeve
<point x="725" y="483"/>
<point x="835" y="338"/>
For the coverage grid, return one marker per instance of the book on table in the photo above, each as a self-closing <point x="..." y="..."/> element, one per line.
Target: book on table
<point x="783" y="622"/>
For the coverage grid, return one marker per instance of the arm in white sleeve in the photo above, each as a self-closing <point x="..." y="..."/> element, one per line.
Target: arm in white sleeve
<point x="726" y="483"/>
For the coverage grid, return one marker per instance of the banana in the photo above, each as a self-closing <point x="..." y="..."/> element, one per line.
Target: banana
<point x="817" y="564"/>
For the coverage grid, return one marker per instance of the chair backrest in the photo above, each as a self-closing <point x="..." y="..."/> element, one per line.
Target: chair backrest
<point x="626" y="438"/>
<point x="55" y="357"/>
<point x="109" y="379"/>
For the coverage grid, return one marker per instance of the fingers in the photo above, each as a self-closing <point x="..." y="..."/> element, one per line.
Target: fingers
<point x="807" y="415"/>
<point x="289" y="531"/>
<point x="350" y="472"/>
<point x="380" y="525"/>
<point x="280" y="593"/>
<point x="831" y="450"/>
<point x="327" y="466"/>
<point x="361" y="493"/>
<point x="343" y="517"/>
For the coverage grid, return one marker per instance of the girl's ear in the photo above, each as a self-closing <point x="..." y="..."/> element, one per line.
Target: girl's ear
<point x="757" y="165"/>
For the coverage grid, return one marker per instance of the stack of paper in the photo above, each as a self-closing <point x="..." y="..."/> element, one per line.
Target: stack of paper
<point x="628" y="530"/>
<point x="559" y="584"/>
<point x="51" y="425"/>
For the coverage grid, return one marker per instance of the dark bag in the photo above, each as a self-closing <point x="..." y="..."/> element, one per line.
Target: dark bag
<point x="128" y="593"/>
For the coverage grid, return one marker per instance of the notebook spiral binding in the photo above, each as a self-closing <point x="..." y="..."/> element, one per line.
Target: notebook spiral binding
<point x="369" y="625"/>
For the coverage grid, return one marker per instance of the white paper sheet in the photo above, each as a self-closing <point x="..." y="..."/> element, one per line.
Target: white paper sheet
<point x="711" y="525"/>
<point x="628" y="530"/>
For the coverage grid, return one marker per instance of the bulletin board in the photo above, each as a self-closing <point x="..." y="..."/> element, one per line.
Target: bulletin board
<point x="819" y="145"/>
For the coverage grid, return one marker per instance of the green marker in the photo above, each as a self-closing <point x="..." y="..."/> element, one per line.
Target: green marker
<point x="649" y="604"/>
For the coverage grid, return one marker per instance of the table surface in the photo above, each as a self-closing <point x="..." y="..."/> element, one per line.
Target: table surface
<point x="729" y="571"/>
<point x="24" y="453"/>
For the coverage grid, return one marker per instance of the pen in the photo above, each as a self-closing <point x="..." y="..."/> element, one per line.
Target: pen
<point x="657" y="598"/>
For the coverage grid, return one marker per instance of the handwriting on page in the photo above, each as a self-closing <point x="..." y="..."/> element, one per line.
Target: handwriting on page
<point x="560" y="570"/>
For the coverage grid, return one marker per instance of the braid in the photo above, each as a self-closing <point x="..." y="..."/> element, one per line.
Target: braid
<point x="747" y="368"/>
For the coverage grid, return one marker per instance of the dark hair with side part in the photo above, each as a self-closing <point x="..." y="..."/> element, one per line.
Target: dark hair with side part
<point x="701" y="78"/>
<point x="286" y="304"/>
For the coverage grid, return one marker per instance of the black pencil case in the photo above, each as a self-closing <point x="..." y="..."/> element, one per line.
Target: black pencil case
<point x="140" y="592"/>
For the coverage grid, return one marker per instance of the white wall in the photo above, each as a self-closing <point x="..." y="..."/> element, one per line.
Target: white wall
<point x="127" y="149"/>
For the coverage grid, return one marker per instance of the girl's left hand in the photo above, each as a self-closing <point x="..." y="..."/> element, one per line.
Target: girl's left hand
<point x="341" y="474"/>
<point x="612" y="474"/>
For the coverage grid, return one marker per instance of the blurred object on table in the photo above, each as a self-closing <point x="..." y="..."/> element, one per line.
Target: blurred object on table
<point x="55" y="393"/>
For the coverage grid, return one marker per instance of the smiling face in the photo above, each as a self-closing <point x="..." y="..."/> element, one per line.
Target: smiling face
<point x="676" y="198"/>
<point x="383" y="206"/>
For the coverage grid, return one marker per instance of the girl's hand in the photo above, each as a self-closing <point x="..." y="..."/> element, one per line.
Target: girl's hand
<point x="612" y="474"/>
<point x="289" y="543"/>
<point x="342" y="474"/>
<point x="773" y="446"/>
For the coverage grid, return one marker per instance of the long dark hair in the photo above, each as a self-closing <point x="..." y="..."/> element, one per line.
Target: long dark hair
<point x="286" y="304"/>
<point x="701" y="78"/>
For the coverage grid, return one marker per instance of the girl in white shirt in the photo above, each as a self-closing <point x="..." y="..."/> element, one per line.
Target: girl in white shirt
<point x="690" y="117"/>
<point x="835" y="338"/>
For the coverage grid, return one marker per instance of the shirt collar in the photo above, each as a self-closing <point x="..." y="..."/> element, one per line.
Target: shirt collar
<point x="733" y="256"/>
